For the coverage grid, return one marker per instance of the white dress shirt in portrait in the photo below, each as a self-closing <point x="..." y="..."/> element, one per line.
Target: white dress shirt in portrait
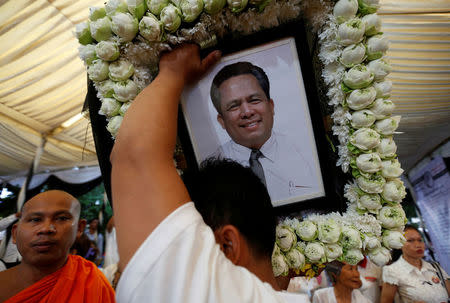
<point x="286" y="171"/>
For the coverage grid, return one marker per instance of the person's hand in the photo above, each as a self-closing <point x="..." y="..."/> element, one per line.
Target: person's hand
<point x="184" y="63"/>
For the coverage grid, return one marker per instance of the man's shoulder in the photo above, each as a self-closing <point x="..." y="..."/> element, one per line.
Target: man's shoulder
<point x="8" y="284"/>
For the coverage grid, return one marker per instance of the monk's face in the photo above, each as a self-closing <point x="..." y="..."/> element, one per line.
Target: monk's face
<point x="47" y="228"/>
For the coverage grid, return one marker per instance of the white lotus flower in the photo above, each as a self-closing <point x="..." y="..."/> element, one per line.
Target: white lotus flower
<point x="171" y="18"/>
<point x="369" y="163"/>
<point x="285" y="237"/>
<point x="371" y="202"/>
<point x="353" y="256"/>
<point x="110" y="107"/>
<point x="83" y="33"/>
<point x="151" y="28"/>
<point x="329" y="231"/>
<point x="155" y="6"/>
<point x="394" y="190"/>
<point x="365" y="138"/>
<point x="332" y="251"/>
<point x="362" y="118"/>
<point x="372" y="24"/>
<point x="380" y="68"/>
<point x="87" y="53"/>
<point x="279" y="263"/>
<point x="106" y="88"/>
<point x="214" y="6"/>
<point x="113" y="7"/>
<point x="380" y="256"/>
<point x="350" y="238"/>
<point x="361" y="98"/>
<point x="387" y="148"/>
<point x="107" y="50"/>
<point x="123" y="109"/>
<point x="125" y="90"/>
<point x="120" y="70"/>
<point x="392" y="217"/>
<point x="368" y="6"/>
<point x="353" y="54"/>
<point x="306" y="230"/>
<point x="391" y="169"/>
<point x="371" y="242"/>
<point x="114" y="125"/>
<point x="137" y="8"/>
<point x="101" y="29"/>
<point x="382" y="108"/>
<point x="387" y="126"/>
<point x="359" y="76"/>
<point x="383" y="88"/>
<point x="125" y="26"/>
<point x="191" y="9"/>
<point x="345" y="9"/>
<point x="393" y="239"/>
<point x="237" y="6"/>
<point x="295" y="258"/>
<point x="98" y="70"/>
<point x="372" y="185"/>
<point x="377" y="46"/>
<point x="315" y="252"/>
<point x="96" y="13"/>
<point x="351" y="32"/>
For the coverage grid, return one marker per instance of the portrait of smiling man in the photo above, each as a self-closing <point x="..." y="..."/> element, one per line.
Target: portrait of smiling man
<point x="240" y="93"/>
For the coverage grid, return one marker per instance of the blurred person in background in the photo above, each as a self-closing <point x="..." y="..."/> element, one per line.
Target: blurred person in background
<point x="95" y="236"/>
<point x="371" y="279"/>
<point x="414" y="279"/>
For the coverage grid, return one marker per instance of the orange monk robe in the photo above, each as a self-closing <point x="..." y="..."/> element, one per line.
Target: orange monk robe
<point x="77" y="281"/>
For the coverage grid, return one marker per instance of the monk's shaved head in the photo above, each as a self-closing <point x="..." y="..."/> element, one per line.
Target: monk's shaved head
<point x="55" y="195"/>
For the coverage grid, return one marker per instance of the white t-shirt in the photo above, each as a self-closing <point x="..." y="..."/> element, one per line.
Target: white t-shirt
<point x="181" y="262"/>
<point x="415" y="284"/>
<point x="326" y="295"/>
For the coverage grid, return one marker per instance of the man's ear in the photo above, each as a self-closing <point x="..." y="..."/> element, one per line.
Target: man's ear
<point x="272" y="106"/>
<point x="220" y="120"/>
<point x="13" y="233"/>
<point x="81" y="227"/>
<point x="229" y="239"/>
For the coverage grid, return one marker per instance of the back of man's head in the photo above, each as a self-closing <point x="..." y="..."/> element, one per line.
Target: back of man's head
<point x="237" y="69"/>
<point x="225" y="192"/>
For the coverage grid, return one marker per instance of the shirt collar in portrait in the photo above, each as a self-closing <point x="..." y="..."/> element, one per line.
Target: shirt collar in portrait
<point x="268" y="150"/>
<point x="408" y="268"/>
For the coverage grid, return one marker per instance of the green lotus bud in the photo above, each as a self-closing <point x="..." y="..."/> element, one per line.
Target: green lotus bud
<point x="350" y="238"/>
<point x="329" y="231"/>
<point x="383" y="88"/>
<point x="125" y="91"/>
<point x="352" y="256"/>
<point x="371" y="202"/>
<point x="351" y="32"/>
<point x="87" y="53"/>
<point x="368" y="6"/>
<point x="114" y="125"/>
<point x="380" y="68"/>
<point x="83" y="33"/>
<point x="332" y="252"/>
<point x="387" y="148"/>
<point x="391" y="169"/>
<point x="377" y="46"/>
<point x="352" y="55"/>
<point x="101" y="29"/>
<point x="124" y="108"/>
<point x="362" y="118"/>
<point x="361" y="98"/>
<point x="359" y="76"/>
<point x="107" y="50"/>
<point x="105" y="88"/>
<point x="365" y="139"/>
<point x="372" y="185"/>
<point x="98" y="70"/>
<point x="392" y="217"/>
<point x="387" y="126"/>
<point x="151" y="28"/>
<point x="191" y="9"/>
<point x="171" y="18"/>
<point x="237" y="6"/>
<point x="110" y="107"/>
<point x="382" y="108"/>
<point x="368" y="163"/>
<point x="120" y="70"/>
<point x="214" y="6"/>
<point x="96" y="13"/>
<point x="315" y="251"/>
<point x="125" y="26"/>
<point x="113" y="7"/>
<point x="137" y="8"/>
<point x="345" y="10"/>
<point x="156" y="6"/>
<point x="380" y="256"/>
<point x="394" y="191"/>
<point x="372" y="24"/>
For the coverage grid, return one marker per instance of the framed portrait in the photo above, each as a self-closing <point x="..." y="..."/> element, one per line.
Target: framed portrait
<point x="252" y="107"/>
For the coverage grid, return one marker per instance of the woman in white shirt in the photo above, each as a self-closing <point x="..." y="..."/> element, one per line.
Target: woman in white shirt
<point x="414" y="279"/>
<point x="346" y="281"/>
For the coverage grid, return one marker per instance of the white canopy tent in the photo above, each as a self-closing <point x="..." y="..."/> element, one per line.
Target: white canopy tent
<point x="43" y="82"/>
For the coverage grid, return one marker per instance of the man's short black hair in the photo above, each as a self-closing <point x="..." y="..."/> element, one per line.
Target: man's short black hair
<point x="225" y="192"/>
<point x="237" y="69"/>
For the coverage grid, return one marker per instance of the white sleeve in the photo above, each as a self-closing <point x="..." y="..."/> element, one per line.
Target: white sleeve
<point x="389" y="275"/>
<point x="7" y="221"/>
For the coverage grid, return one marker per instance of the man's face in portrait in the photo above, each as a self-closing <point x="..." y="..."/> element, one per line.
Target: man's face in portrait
<point x="245" y="111"/>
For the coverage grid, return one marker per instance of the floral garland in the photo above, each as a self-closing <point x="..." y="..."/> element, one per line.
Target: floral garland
<point x="121" y="44"/>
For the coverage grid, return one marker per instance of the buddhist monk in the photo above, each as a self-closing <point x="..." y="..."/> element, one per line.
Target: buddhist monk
<point x="47" y="228"/>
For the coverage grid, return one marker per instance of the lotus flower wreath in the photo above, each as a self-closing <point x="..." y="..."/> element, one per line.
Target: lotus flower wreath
<point x="121" y="44"/>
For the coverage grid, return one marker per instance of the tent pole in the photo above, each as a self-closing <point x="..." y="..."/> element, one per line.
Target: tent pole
<point x="34" y="165"/>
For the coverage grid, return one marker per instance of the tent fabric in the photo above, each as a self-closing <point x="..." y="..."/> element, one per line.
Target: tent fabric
<point x="43" y="82"/>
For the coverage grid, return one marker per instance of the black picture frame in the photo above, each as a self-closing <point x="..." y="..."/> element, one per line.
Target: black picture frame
<point x="329" y="201"/>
